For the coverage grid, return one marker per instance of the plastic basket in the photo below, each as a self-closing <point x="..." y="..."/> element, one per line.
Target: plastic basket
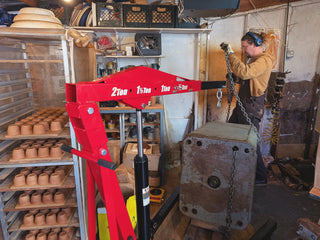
<point x="109" y="14"/>
<point x="163" y="16"/>
<point x="188" y="23"/>
<point x="135" y="15"/>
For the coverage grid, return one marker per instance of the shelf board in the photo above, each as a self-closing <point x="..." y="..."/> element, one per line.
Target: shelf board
<point x="65" y="133"/>
<point x="113" y="109"/>
<point x="129" y="139"/>
<point x="11" y="206"/>
<point x="112" y="130"/>
<point x="145" y="30"/>
<point x="16" y="226"/>
<point x="69" y="182"/>
<point x="134" y="57"/>
<point x="33" y="33"/>
<point x="30" y="61"/>
<point x="144" y="124"/>
<point x="5" y="163"/>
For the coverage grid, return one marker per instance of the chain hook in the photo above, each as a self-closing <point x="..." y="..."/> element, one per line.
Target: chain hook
<point x="219" y="96"/>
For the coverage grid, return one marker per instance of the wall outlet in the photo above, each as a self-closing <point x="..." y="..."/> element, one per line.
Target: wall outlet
<point x="290" y="53"/>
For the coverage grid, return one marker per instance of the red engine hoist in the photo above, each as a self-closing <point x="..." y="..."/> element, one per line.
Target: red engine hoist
<point x="133" y="87"/>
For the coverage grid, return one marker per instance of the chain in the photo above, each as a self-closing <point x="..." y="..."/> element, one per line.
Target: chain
<point x="233" y="90"/>
<point x="231" y="193"/>
<point x="230" y="92"/>
<point x="219" y="96"/>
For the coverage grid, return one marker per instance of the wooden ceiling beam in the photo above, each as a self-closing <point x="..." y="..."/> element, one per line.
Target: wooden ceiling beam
<point x="247" y="5"/>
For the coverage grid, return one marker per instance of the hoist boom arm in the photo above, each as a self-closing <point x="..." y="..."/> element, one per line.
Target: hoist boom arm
<point x="133" y="87"/>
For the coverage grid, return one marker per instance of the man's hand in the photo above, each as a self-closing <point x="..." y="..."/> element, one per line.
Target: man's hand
<point x="226" y="47"/>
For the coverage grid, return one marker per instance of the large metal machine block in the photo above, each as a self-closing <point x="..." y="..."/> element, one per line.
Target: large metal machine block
<point x="207" y="160"/>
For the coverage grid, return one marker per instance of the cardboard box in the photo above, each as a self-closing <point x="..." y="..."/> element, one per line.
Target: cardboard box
<point x="152" y="151"/>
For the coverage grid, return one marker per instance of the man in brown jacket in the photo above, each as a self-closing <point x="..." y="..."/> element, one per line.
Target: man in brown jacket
<point x="254" y="76"/>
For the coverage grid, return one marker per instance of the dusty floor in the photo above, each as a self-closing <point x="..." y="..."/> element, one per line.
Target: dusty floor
<point x="284" y="205"/>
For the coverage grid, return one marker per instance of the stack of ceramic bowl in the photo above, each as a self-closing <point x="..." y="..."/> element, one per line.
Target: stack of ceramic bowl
<point x="31" y="17"/>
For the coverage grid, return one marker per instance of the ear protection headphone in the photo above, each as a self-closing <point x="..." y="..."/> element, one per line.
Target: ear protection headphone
<point x="257" y="40"/>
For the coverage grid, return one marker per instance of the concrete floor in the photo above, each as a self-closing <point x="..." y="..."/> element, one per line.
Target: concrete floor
<point x="285" y="206"/>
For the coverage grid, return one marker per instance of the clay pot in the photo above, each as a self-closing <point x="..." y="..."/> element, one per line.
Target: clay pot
<point x="59" y="197"/>
<point x="67" y="211"/>
<point x="68" y="230"/>
<point x="19" y="180"/>
<point x="55" y="179"/>
<point x="48" y="144"/>
<point x="40" y="219"/>
<point x="61" y="172"/>
<point x="28" y="220"/>
<point x="59" y="144"/>
<point x="55" y="151"/>
<point x="51" y="190"/>
<point x="34" y="232"/>
<point x="47" y="197"/>
<point x="44" y="211"/>
<point x="37" y="171"/>
<point x="13" y="130"/>
<point x="31" y="152"/>
<point x="30" y="236"/>
<point x="62" y="218"/>
<point x="36" y="198"/>
<point x="63" y="236"/>
<point x="55" y="210"/>
<point x="36" y="145"/>
<point x="26" y="129"/>
<point x="18" y="153"/>
<point x="45" y="230"/>
<point x="41" y="236"/>
<point x="55" y="126"/>
<point x="45" y="124"/>
<point x="24" y="199"/>
<point x="56" y="230"/>
<point x="32" y="179"/>
<point x="43" y="179"/>
<point x="48" y="171"/>
<point x="52" y="236"/>
<point x="40" y="141"/>
<point x="33" y="211"/>
<point x="43" y="152"/>
<point x="24" y="146"/>
<point x="24" y="171"/>
<point x="38" y="129"/>
<point x="51" y="218"/>
<point x="29" y="142"/>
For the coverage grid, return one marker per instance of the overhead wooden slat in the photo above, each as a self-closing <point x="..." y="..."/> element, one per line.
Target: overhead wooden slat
<point x="247" y="5"/>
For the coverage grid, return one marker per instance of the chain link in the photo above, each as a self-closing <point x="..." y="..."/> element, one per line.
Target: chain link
<point x="230" y="92"/>
<point x="231" y="193"/>
<point x="233" y="90"/>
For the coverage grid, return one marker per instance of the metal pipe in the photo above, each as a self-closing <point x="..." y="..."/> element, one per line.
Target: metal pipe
<point x="164" y="210"/>
<point x="142" y="185"/>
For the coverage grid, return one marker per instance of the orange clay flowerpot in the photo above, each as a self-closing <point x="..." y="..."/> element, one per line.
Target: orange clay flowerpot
<point x="28" y="220"/>
<point x="62" y="218"/>
<point x="13" y="130"/>
<point x="47" y="197"/>
<point x="43" y="179"/>
<point x="19" y="180"/>
<point x="55" y="179"/>
<point x="36" y="198"/>
<point x="31" y="152"/>
<point x="24" y="199"/>
<point x="51" y="218"/>
<point x="18" y="153"/>
<point x="32" y="179"/>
